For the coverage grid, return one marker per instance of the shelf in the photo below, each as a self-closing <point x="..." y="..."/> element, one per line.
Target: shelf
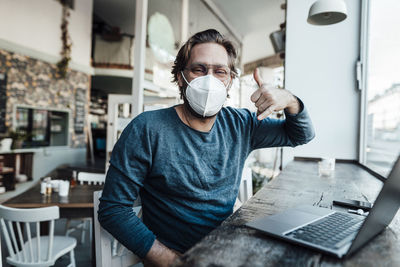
<point x="99" y="112"/>
<point x="119" y="72"/>
<point x="159" y="91"/>
<point x="150" y="88"/>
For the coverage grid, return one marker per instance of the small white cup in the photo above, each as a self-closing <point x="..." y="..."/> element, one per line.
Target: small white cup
<point x="326" y="167"/>
<point x="63" y="188"/>
<point x="43" y="188"/>
<point x="55" y="185"/>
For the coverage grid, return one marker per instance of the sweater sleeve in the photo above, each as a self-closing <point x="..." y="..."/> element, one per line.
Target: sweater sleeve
<point x="129" y="165"/>
<point x="293" y="131"/>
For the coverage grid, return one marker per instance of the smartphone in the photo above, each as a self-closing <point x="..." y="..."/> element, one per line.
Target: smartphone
<point x="355" y="204"/>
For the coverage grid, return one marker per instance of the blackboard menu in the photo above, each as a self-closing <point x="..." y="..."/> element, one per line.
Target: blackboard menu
<point x="80" y="100"/>
<point x="3" y="101"/>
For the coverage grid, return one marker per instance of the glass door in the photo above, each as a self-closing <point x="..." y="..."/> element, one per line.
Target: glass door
<point x="381" y="128"/>
<point x="120" y="108"/>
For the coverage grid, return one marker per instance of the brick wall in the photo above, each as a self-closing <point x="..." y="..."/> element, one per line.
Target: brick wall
<point x="34" y="83"/>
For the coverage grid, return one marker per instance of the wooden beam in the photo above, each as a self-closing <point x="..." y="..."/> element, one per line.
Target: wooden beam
<point x="184" y="21"/>
<point x="271" y="62"/>
<point x="139" y="56"/>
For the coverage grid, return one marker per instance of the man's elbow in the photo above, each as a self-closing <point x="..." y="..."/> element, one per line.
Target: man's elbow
<point x="309" y="137"/>
<point x="101" y="218"/>
<point x="104" y="217"/>
<point x="302" y="141"/>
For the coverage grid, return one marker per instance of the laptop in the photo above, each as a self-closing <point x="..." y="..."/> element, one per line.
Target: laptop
<point x="333" y="232"/>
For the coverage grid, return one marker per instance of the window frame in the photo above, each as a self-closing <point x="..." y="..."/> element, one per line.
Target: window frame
<point x="362" y="77"/>
<point x="68" y="131"/>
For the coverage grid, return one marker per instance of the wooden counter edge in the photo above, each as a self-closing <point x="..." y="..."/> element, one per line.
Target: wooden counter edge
<point x="40" y="205"/>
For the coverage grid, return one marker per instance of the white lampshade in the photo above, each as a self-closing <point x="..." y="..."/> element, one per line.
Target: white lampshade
<point x="326" y="12"/>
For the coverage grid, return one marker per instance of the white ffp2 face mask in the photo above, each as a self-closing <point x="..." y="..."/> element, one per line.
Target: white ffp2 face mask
<point x="206" y="95"/>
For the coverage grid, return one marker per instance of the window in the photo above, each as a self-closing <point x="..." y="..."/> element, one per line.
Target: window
<point x="382" y="100"/>
<point x="41" y="127"/>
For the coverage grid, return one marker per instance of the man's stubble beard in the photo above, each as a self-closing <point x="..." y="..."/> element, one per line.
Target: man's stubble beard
<point x="193" y="113"/>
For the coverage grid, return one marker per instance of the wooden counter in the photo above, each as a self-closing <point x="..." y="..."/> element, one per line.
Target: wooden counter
<point x="7" y="178"/>
<point x="234" y="244"/>
<point x="24" y="160"/>
<point x="21" y="162"/>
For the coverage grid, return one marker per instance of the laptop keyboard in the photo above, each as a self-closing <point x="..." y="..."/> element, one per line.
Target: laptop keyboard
<point x="332" y="231"/>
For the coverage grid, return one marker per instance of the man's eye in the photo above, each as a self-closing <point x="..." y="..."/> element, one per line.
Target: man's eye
<point x="198" y="70"/>
<point x="221" y="72"/>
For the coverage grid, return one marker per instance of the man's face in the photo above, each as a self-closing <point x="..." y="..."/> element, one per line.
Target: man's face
<point x="210" y="55"/>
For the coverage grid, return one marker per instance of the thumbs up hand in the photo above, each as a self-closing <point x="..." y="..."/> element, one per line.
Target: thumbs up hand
<point x="268" y="99"/>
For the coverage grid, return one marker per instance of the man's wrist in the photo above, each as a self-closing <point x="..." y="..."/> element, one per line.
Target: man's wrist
<point x="294" y="105"/>
<point x="160" y="255"/>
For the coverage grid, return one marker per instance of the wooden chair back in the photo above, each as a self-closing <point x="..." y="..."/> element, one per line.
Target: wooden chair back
<point x="109" y="252"/>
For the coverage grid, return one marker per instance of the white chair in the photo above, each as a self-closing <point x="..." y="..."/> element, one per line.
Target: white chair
<point x="85" y="224"/>
<point x="109" y="252"/>
<point x="91" y="178"/>
<point x="29" y="249"/>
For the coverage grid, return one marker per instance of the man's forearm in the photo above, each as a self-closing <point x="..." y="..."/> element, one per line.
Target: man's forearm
<point x="159" y="255"/>
<point x="117" y="217"/>
<point x="298" y="126"/>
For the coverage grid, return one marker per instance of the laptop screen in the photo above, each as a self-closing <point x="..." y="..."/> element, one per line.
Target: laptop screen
<point x="385" y="208"/>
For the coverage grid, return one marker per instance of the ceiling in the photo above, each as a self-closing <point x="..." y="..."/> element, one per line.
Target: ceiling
<point x="251" y="16"/>
<point x="244" y="15"/>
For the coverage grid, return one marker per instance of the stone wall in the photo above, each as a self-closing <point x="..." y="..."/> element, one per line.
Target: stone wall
<point x="34" y="83"/>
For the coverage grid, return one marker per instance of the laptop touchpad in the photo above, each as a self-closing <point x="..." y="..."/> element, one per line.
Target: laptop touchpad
<point x="284" y="221"/>
<point x="295" y="218"/>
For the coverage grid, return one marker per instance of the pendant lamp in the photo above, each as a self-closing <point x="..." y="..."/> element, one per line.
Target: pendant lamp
<point x="327" y="12"/>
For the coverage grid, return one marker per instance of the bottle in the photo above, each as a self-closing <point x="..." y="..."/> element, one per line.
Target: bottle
<point x="48" y="188"/>
<point x="73" y="179"/>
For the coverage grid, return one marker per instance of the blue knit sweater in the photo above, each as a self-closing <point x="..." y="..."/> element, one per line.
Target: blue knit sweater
<point x="187" y="180"/>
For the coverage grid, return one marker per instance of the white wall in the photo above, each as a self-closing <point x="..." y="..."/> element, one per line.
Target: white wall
<point x="201" y="18"/>
<point x="257" y="44"/>
<point x="57" y="156"/>
<point x="320" y="69"/>
<point x="35" y="25"/>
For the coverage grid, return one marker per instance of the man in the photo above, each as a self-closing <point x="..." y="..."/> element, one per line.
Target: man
<point x="186" y="161"/>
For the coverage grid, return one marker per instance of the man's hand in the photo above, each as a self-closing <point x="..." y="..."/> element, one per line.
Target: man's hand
<point x="268" y="99"/>
<point x="160" y="256"/>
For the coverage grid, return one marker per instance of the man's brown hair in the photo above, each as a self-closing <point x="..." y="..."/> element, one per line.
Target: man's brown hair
<point x="207" y="36"/>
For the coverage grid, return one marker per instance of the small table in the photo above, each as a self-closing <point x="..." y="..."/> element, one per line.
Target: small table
<point x="78" y="203"/>
<point x="234" y="244"/>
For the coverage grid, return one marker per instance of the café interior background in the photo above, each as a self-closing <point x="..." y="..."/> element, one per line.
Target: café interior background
<point x="59" y="97"/>
<point x="346" y="74"/>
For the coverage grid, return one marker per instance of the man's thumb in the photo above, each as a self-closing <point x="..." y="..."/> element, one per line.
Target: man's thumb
<point x="257" y="77"/>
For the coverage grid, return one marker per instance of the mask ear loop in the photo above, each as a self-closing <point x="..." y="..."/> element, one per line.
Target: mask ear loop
<point x="184" y="78"/>
<point x="233" y="77"/>
<point x="228" y="87"/>
<point x="186" y="83"/>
